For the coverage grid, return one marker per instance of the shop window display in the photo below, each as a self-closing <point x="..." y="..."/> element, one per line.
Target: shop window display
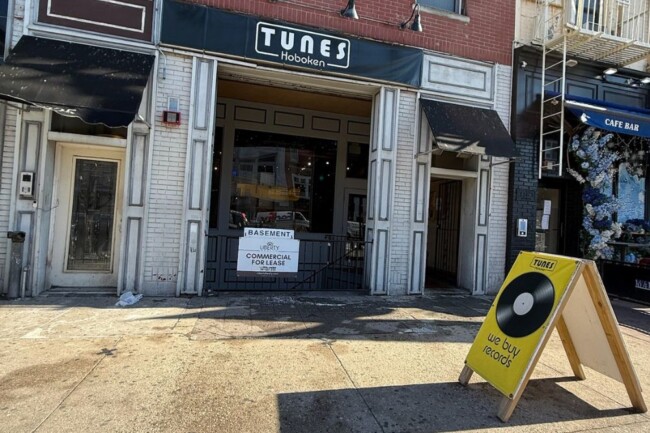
<point x="613" y="173"/>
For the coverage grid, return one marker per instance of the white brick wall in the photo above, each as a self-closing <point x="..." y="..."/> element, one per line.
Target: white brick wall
<point x="401" y="216"/>
<point x="7" y="162"/>
<point x="503" y="89"/>
<point x="499" y="190"/>
<point x="6" y="168"/>
<point x="19" y="20"/>
<point x="165" y="204"/>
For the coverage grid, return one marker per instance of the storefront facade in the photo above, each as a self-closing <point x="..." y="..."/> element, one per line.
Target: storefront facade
<point x="263" y="123"/>
<point x="556" y="204"/>
<point x="373" y="142"/>
<point x="77" y="95"/>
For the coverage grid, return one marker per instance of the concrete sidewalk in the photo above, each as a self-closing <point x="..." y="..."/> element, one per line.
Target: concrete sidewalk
<point x="285" y="363"/>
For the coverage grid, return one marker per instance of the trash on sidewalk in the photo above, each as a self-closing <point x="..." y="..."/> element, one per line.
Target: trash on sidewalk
<point x="128" y="298"/>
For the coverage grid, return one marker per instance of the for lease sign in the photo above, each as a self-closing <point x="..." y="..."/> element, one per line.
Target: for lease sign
<point x="274" y="255"/>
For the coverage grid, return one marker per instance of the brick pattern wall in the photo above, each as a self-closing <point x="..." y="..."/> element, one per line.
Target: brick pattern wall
<point x="6" y="181"/>
<point x="402" y="204"/>
<point x="487" y="35"/>
<point x="523" y="199"/>
<point x="19" y="18"/>
<point x="498" y="227"/>
<point x="166" y="187"/>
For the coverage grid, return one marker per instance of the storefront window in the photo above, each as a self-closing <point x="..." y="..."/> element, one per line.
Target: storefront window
<point x="216" y="176"/>
<point x="282" y="181"/>
<point x="631" y="195"/>
<point x="454" y="6"/>
<point x="357" y="161"/>
<point x="3" y="27"/>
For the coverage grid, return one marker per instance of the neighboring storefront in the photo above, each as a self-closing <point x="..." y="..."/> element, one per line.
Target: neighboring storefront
<point x="606" y="116"/>
<point x="75" y="145"/>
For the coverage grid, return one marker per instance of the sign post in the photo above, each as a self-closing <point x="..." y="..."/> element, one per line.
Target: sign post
<point x="543" y="292"/>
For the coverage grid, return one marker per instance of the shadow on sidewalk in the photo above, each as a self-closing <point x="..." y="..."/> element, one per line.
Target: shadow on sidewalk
<point x="632" y="315"/>
<point x="439" y="407"/>
<point x="430" y="318"/>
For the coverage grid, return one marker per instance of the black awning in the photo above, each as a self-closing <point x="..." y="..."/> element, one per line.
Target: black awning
<point x="98" y="85"/>
<point x="459" y="128"/>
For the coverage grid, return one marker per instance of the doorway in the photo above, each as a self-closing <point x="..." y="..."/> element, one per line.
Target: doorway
<point x="444" y="233"/>
<point x="548" y="226"/>
<point x="87" y="217"/>
<point x="355" y="214"/>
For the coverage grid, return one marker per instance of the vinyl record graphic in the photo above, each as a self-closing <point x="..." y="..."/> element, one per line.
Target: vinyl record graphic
<point x="525" y="304"/>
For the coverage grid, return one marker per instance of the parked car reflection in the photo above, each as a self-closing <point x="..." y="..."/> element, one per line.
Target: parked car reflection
<point x="287" y="220"/>
<point x="237" y="220"/>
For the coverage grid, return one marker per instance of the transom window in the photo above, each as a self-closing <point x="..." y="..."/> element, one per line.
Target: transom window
<point x="455" y="6"/>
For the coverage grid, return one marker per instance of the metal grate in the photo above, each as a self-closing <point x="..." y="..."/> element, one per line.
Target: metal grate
<point x="329" y="262"/>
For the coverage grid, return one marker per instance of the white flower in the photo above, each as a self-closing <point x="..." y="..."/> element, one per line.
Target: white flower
<point x="576" y="175"/>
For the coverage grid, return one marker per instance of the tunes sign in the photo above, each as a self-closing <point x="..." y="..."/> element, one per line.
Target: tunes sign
<point x="301" y="47"/>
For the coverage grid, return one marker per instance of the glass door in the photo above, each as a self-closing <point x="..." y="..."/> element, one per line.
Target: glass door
<point x="87" y="216"/>
<point x="547" y="224"/>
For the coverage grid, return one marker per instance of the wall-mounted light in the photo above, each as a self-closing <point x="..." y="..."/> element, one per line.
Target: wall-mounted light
<point x="416" y="26"/>
<point x="350" y="11"/>
<point x="571" y="63"/>
<point x="610" y="71"/>
<point x="621" y="80"/>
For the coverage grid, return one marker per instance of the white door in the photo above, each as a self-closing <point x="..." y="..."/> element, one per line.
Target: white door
<point x="87" y="217"/>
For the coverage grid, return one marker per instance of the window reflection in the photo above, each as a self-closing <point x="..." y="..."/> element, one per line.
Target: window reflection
<point x="283" y="181"/>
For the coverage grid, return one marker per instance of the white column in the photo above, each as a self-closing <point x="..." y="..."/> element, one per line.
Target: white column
<point x="381" y="182"/>
<point x="198" y="177"/>
<point x="421" y="185"/>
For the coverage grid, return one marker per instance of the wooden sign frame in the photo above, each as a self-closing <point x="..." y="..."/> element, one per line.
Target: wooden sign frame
<point x="583" y="305"/>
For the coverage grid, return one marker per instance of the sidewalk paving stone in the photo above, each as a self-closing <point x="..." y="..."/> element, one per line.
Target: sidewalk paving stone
<point x="287" y="363"/>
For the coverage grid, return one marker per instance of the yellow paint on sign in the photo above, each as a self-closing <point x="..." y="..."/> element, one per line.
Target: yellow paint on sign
<point x="518" y="319"/>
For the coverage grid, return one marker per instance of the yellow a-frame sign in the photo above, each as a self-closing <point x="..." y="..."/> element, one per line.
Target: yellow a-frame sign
<point x="543" y="292"/>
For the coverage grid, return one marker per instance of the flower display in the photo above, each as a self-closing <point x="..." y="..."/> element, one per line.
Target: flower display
<point x="596" y="158"/>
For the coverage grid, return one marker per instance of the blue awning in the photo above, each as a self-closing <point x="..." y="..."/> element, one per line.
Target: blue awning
<point x="609" y="116"/>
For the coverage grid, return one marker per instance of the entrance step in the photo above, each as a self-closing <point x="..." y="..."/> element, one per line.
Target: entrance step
<point x="81" y="291"/>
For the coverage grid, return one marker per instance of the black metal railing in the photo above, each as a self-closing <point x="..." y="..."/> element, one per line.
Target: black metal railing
<point x="329" y="262"/>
